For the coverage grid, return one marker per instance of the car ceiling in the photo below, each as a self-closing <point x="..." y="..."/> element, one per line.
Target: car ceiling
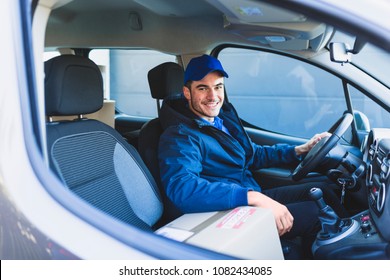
<point x="181" y="27"/>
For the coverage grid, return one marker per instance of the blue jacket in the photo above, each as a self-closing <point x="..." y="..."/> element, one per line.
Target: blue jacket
<point x="205" y="169"/>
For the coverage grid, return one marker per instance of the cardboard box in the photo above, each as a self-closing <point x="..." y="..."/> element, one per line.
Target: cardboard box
<point x="244" y="232"/>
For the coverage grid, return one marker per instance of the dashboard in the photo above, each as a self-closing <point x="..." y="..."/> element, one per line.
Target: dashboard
<point x="377" y="157"/>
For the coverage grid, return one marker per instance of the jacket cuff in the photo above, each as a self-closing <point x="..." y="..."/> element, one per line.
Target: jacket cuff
<point x="240" y="197"/>
<point x="292" y="154"/>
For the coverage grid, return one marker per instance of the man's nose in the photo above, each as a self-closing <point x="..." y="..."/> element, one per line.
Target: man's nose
<point x="212" y="93"/>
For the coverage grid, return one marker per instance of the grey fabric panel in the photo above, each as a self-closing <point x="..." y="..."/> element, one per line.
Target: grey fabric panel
<point x="136" y="186"/>
<point x="86" y="163"/>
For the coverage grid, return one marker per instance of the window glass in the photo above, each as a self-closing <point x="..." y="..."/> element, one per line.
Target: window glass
<point x="280" y="93"/>
<point x="369" y="110"/>
<point x="102" y="60"/>
<point x="125" y="77"/>
<point x="129" y="80"/>
<point x="50" y="54"/>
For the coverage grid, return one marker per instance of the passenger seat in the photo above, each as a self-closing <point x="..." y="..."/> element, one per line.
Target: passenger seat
<point x="91" y="158"/>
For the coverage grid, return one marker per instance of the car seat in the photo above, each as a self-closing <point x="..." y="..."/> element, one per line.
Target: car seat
<point x="164" y="80"/>
<point x="91" y="158"/>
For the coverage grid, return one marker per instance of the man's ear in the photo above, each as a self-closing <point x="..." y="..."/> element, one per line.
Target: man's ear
<point x="187" y="93"/>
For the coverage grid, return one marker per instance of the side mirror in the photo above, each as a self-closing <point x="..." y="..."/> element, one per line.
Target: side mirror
<point x="340" y="52"/>
<point x="361" y="121"/>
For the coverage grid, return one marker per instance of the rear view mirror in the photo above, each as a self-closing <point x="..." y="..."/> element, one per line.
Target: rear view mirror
<point x="340" y="52"/>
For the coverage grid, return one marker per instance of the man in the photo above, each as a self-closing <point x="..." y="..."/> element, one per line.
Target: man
<point x="206" y="158"/>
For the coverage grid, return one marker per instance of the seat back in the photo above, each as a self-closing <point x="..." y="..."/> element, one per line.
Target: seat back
<point x="164" y="80"/>
<point x="90" y="157"/>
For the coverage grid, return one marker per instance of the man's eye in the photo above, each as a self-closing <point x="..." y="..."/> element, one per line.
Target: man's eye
<point x="202" y="89"/>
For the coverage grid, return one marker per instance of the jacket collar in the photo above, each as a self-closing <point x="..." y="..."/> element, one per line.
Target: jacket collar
<point x="175" y="111"/>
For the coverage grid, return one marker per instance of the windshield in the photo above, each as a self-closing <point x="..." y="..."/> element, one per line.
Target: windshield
<point x="370" y="59"/>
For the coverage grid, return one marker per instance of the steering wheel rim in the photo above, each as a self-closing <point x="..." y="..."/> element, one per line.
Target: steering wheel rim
<point x="322" y="148"/>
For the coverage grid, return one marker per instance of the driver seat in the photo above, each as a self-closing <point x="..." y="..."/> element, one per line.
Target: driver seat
<point x="164" y="80"/>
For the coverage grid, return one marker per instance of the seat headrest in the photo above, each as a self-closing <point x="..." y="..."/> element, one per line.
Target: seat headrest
<point x="166" y="79"/>
<point x="73" y="86"/>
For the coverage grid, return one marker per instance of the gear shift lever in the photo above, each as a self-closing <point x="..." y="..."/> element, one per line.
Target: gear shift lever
<point x="330" y="222"/>
<point x="316" y="195"/>
<point x="333" y="227"/>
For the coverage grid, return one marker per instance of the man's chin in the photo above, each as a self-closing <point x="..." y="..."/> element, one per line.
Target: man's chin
<point x="213" y="115"/>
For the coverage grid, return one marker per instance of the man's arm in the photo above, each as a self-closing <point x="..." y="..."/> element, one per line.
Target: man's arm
<point x="283" y="218"/>
<point x="180" y="168"/>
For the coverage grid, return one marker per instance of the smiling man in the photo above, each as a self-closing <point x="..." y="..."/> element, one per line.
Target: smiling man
<point x="205" y="97"/>
<point x="205" y="94"/>
<point x="207" y="159"/>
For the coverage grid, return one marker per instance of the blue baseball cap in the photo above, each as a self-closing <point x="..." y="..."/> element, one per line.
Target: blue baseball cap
<point x="200" y="66"/>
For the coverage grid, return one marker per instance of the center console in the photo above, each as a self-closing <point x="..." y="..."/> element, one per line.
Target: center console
<point x="361" y="240"/>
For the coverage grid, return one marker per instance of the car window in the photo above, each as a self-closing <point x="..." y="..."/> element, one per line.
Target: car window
<point x="102" y="59"/>
<point x="375" y="114"/>
<point x="129" y="80"/>
<point x="125" y="77"/>
<point x="280" y="93"/>
<point x="50" y="54"/>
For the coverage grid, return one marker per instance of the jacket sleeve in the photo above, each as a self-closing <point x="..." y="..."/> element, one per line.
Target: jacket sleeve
<point x="180" y="163"/>
<point x="271" y="156"/>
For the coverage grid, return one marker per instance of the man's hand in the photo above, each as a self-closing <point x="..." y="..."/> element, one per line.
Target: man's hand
<point x="283" y="218"/>
<point x="305" y="148"/>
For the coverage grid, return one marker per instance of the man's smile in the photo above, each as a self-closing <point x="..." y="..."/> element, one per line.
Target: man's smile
<point x="211" y="104"/>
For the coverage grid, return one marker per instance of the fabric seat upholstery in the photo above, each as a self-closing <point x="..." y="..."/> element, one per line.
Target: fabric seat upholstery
<point x="164" y="80"/>
<point x="90" y="157"/>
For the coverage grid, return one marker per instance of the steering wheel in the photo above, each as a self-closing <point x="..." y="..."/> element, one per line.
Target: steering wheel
<point x="322" y="148"/>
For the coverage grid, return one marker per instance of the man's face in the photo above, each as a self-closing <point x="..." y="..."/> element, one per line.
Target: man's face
<point x="206" y="96"/>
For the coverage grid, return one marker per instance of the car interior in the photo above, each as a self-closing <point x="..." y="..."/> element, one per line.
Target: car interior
<point x="108" y="158"/>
